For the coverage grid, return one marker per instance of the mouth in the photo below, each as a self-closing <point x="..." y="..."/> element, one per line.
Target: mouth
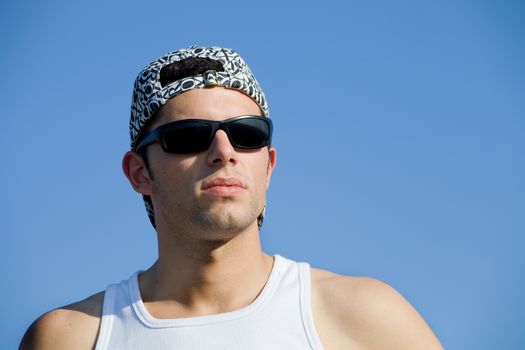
<point x="223" y="186"/>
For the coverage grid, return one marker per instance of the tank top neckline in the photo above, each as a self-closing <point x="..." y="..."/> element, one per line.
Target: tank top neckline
<point x="148" y="320"/>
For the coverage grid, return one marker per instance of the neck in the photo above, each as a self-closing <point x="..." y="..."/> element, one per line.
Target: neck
<point x="205" y="277"/>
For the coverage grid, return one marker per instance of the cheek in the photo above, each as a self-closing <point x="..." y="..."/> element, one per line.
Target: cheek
<point x="261" y="174"/>
<point x="174" y="174"/>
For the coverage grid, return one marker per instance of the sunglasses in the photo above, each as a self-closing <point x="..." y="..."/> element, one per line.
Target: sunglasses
<point x="196" y="135"/>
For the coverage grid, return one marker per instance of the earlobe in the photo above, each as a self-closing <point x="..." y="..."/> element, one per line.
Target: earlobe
<point x="137" y="173"/>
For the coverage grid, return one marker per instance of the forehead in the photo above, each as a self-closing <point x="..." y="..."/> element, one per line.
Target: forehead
<point x="216" y="103"/>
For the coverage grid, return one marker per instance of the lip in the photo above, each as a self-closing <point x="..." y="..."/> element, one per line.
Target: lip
<point x="223" y="186"/>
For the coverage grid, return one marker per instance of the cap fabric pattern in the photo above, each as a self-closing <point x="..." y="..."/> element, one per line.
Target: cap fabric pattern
<point x="149" y="95"/>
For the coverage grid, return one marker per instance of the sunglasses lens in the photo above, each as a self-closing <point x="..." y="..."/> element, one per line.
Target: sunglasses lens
<point x="249" y="133"/>
<point x="188" y="138"/>
<point x="192" y="136"/>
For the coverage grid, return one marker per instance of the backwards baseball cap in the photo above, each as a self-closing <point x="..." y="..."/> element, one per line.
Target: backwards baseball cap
<point x="151" y="91"/>
<point x="150" y="94"/>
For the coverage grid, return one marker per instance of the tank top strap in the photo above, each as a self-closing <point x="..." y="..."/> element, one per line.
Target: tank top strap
<point x="305" y="285"/>
<point x="107" y="317"/>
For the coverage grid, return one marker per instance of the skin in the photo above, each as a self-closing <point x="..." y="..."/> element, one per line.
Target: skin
<point x="212" y="233"/>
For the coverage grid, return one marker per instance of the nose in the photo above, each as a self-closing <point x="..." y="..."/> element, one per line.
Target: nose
<point x="221" y="151"/>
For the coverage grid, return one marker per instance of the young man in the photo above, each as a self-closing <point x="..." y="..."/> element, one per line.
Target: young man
<point x="201" y="156"/>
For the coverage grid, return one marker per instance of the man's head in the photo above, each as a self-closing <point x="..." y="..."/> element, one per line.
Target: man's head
<point x="213" y="84"/>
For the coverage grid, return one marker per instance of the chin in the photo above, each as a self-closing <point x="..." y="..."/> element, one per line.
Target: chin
<point x="224" y="223"/>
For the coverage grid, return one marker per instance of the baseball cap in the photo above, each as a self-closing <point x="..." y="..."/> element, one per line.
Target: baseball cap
<point x="150" y="93"/>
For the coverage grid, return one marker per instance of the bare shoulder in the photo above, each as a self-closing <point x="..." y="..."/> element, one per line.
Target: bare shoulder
<point x="74" y="326"/>
<point x="365" y="313"/>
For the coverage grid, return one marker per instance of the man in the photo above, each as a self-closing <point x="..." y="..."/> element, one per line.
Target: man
<point x="202" y="158"/>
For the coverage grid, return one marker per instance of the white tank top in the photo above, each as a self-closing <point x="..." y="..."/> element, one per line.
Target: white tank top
<point x="279" y="318"/>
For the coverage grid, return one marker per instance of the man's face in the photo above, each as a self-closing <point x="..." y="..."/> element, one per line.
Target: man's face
<point x="220" y="191"/>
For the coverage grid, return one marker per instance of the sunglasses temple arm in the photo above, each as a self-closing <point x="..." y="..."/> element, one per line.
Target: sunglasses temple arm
<point x="148" y="139"/>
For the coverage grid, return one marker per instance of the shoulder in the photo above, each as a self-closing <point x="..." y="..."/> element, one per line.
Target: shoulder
<point x="366" y="313"/>
<point x="74" y="326"/>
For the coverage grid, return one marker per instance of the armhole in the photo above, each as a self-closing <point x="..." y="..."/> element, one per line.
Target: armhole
<point x="306" y="306"/>
<point x="107" y="318"/>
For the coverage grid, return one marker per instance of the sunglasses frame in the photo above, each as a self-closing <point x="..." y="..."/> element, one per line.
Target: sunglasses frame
<point x="157" y="135"/>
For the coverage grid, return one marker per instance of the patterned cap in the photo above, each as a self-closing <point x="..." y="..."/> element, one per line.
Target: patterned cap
<point x="149" y="94"/>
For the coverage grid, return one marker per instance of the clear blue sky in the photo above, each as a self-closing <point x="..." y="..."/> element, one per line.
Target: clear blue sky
<point x="399" y="128"/>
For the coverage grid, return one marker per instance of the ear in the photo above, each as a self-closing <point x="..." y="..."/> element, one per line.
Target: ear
<point x="272" y="159"/>
<point x="137" y="173"/>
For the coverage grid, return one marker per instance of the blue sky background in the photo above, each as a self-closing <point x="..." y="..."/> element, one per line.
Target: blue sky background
<point x="400" y="136"/>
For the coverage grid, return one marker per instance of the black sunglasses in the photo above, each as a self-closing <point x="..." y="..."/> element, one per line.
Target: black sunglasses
<point x="196" y="135"/>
